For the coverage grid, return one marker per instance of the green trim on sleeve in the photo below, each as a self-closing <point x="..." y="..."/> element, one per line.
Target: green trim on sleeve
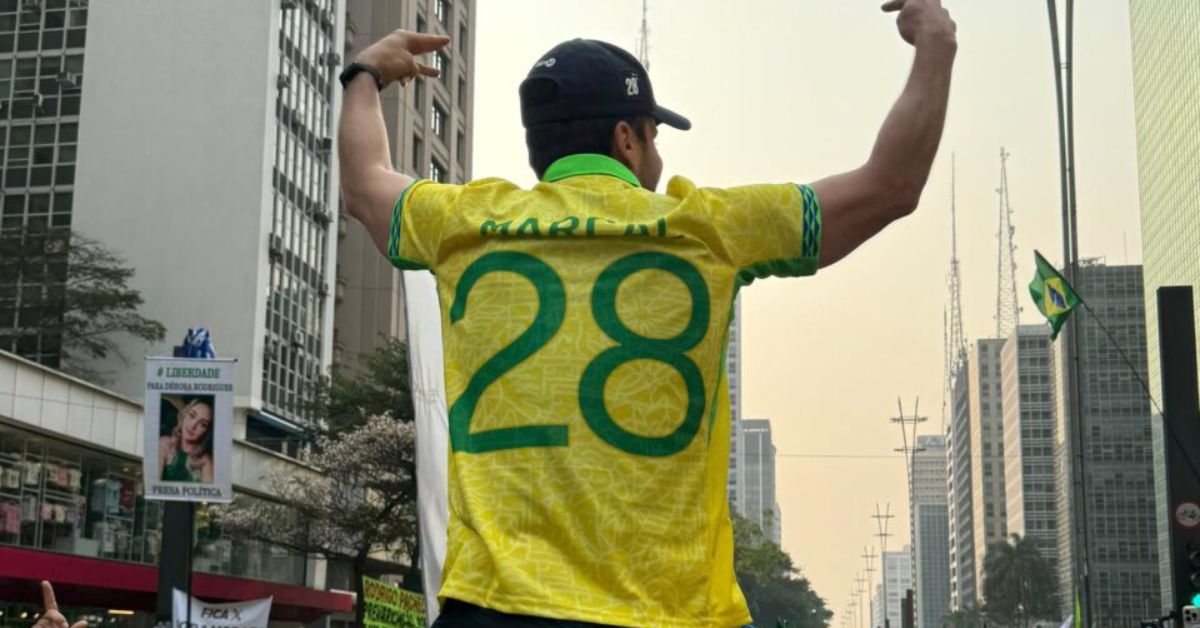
<point x="812" y="223"/>
<point x="810" y="248"/>
<point x="403" y="263"/>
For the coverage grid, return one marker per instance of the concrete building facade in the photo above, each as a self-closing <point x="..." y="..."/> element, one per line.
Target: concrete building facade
<point x="430" y="132"/>
<point x="758" y="495"/>
<point x="223" y="200"/>
<point x="959" y="474"/>
<point x="931" y="531"/>
<point x="733" y="371"/>
<point x="1030" y="485"/>
<point x="1118" y="476"/>
<point x="989" y="506"/>
<point x="896" y="567"/>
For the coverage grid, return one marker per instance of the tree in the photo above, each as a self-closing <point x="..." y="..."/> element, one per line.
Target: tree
<point x="1017" y="583"/>
<point x="775" y="591"/>
<point x="361" y="500"/>
<point x="64" y="298"/>
<point x="970" y="617"/>
<point x="378" y="385"/>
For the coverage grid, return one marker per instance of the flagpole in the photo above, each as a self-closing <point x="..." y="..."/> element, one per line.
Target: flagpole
<point x="1073" y="380"/>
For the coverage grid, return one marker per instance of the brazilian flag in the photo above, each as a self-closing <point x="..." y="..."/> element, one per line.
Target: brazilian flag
<point x="1054" y="297"/>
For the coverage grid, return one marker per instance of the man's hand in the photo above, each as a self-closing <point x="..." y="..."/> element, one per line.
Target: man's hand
<point x="51" y="618"/>
<point x="923" y="21"/>
<point x="370" y="185"/>
<point x="395" y="56"/>
<point x="858" y="204"/>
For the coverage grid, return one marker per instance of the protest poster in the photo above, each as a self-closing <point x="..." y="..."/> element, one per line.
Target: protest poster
<point x="188" y="430"/>
<point x="389" y="606"/>
<point x="248" y="614"/>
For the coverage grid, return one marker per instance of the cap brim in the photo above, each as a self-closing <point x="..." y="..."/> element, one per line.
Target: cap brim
<point x="670" y="118"/>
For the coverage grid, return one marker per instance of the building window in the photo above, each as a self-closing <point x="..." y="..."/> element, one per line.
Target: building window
<point x="442" y="63"/>
<point x="418" y="150"/>
<point x="441" y="9"/>
<point x="422" y="27"/>
<point x="460" y="149"/>
<point x="462" y="94"/>
<point x="439" y="121"/>
<point x="419" y="95"/>
<point x="462" y="39"/>
<point x="437" y="171"/>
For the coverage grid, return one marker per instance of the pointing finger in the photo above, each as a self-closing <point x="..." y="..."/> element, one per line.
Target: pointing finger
<point x="48" y="601"/>
<point x="893" y="5"/>
<point x="420" y="43"/>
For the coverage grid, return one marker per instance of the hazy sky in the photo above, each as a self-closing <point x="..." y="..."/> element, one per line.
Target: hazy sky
<point x="793" y="90"/>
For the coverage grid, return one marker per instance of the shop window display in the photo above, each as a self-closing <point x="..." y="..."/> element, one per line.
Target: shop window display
<point x="62" y="498"/>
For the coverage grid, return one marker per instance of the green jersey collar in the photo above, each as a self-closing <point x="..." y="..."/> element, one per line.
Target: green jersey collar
<point x="589" y="163"/>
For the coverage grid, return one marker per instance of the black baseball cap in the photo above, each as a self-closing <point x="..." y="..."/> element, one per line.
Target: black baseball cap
<point x="586" y="78"/>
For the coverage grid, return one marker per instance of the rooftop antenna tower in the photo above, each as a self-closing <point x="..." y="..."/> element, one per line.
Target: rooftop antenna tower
<point x="643" y="46"/>
<point x="955" y="337"/>
<point x="1008" y="309"/>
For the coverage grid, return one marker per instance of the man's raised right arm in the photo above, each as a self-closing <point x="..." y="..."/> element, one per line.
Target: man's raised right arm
<point x="858" y="204"/>
<point x="370" y="185"/>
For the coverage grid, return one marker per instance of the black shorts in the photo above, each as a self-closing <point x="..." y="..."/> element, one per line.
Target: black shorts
<point x="458" y="614"/>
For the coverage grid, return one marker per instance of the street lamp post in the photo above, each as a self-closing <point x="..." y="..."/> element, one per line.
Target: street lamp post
<point x="1064" y="90"/>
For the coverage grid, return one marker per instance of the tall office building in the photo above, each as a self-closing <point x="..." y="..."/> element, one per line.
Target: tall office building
<point x="989" y="513"/>
<point x="959" y="474"/>
<point x="896" y="567"/>
<point x="1029" y="475"/>
<point x="1165" y="84"/>
<point x="758" y="494"/>
<point x="42" y="46"/>
<point x="1118" y="474"/>
<point x="733" y="370"/>
<point x="429" y="126"/>
<point x="210" y="170"/>
<point x="931" y="531"/>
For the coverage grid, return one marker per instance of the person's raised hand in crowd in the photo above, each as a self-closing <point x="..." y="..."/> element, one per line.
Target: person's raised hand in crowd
<point x="50" y="617"/>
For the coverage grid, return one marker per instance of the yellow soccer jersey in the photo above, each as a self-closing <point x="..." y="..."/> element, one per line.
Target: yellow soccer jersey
<point x="584" y="326"/>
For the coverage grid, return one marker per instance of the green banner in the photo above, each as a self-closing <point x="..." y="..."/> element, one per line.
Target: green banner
<point x="389" y="606"/>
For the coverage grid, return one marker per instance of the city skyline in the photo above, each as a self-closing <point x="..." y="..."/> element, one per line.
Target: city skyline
<point x="878" y="314"/>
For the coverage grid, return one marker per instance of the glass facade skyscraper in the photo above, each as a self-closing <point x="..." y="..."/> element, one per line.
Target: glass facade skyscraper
<point x="1166" y="93"/>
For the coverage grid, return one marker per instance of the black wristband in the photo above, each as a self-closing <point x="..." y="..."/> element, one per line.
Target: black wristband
<point x="352" y="71"/>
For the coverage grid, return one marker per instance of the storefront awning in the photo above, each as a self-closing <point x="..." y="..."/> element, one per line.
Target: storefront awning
<point x="92" y="582"/>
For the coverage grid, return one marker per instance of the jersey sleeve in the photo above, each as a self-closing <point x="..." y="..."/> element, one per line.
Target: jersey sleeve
<point x="418" y="221"/>
<point x="768" y="230"/>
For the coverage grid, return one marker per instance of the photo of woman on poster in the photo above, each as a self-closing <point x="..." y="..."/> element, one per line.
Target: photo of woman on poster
<point x="185" y="448"/>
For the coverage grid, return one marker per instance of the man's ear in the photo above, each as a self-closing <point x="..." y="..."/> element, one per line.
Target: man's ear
<point x="625" y="143"/>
